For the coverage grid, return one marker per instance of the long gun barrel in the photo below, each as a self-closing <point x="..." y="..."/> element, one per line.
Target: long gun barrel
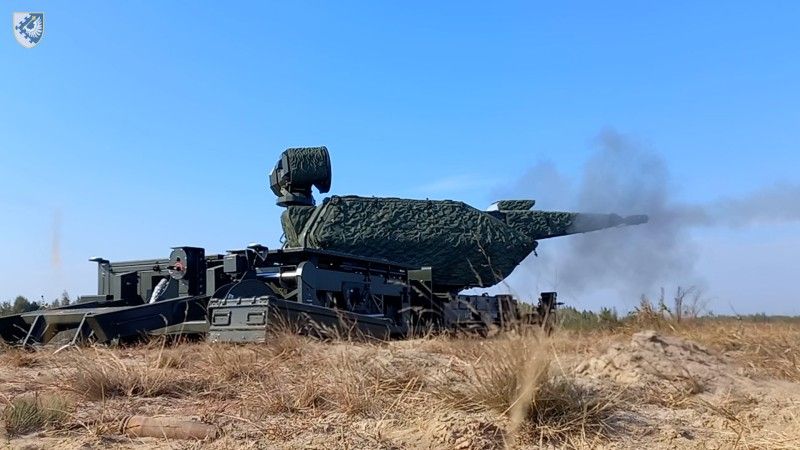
<point x="549" y="224"/>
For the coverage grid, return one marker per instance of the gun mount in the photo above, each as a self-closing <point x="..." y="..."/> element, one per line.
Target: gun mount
<point x="387" y="267"/>
<point x="465" y="247"/>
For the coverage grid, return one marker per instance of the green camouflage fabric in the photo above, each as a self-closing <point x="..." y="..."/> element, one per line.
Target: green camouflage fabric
<point x="292" y="220"/>
<point x="514" y="205"/>
<point x="465" y="247"/>
<point x="539" y="224"/>
<point x="309" y="164"/>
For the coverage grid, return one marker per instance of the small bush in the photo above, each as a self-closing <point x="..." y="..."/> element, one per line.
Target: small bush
<point x="513" y="377"/>
<point x="649" y="315"/>
<point x="27" y="414"/>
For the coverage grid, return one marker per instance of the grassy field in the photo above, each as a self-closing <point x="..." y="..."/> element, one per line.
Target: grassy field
<point x="643" y="382"/>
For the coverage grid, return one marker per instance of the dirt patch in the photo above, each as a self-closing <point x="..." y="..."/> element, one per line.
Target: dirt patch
<point x="653" y="357"/>
<point x="454" y="430"/>
<point x="682" y="394"/>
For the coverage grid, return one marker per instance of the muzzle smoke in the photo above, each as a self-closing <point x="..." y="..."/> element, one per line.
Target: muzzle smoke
<point x="625" y="178"/>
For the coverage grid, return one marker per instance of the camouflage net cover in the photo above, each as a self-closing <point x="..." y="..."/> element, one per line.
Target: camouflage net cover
<point x="465" y="246"/>
<point x="515" y="205"/>
<point x="292" y="220"/>
<point x="539" y="224"/>
<point x="310" y="165"/>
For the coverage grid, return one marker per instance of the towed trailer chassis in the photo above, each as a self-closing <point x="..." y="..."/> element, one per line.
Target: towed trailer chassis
<point x="106" y="323"/>
<point x="241" y="296"/>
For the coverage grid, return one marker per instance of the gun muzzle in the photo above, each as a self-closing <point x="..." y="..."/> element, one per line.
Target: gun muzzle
<point x="636" y="219"/>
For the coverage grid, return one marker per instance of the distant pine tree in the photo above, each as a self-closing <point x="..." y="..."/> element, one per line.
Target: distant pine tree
<point x="65" y="300"/>
<point x="22" y="304"/>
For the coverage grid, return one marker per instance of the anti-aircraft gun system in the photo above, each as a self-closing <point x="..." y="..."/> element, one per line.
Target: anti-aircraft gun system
<point x="386" y="267"/>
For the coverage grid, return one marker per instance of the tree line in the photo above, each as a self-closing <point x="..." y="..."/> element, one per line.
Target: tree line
<point x="21" y="304"/>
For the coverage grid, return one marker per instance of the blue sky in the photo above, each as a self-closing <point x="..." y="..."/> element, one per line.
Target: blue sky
<point x="135" y="126"/>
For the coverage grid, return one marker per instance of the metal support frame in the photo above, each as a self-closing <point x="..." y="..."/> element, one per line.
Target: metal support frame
<point x="34" y="327"/>
<point x="78" y="331"/>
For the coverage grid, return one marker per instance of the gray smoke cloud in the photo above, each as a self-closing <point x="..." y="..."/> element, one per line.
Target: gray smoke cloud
<point x="775" y="204"/>
<point x="624" y="177"/>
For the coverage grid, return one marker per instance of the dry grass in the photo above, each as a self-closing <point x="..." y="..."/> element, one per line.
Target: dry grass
<point x="765" y="349"/>
<point x="99" y="373"/>
<point x="510" y="390"/>
<point x="509" y="376"/>
<point x="355" y="380"/>
<point x="514" y="375"/>
<point x="18" y="357"/>
<point x="28" y="413"/>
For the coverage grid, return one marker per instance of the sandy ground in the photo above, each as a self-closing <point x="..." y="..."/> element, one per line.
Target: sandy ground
<point x="688" y="396"/>
<point x="640" y="389"/>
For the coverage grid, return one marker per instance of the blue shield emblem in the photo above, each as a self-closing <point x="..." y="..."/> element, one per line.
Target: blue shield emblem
<point x="28" y="28"/>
